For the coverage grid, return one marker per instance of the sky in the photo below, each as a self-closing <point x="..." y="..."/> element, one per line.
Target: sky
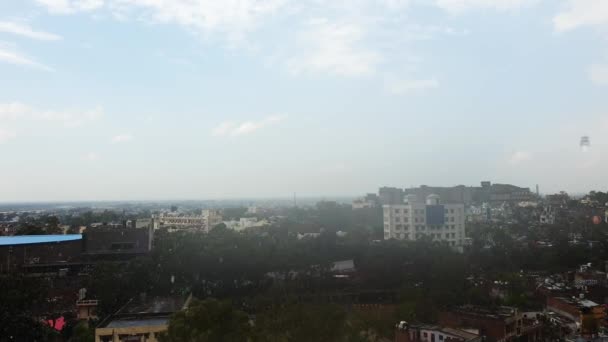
<point x="204" y="99"/>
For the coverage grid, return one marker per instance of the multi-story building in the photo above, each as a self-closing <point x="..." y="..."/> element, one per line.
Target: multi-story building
<point x="367" y="202"/>
<point x="245" y="223"/>
<point x="578" y="310"/>
<point x="500" y="324"/>
<point x="390" y="195"/>
<point x="413" y="220"/>
<point x="140" y="320"/>
<point x="208" y="219"/>
<point x="487" y="192"/>
<point x="547" y="216"/>
<point x="432" y="333"/>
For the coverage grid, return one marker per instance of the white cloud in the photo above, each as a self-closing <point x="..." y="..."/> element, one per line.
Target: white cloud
<point x="231" y="128"/>
<point x="121" y="138"/>
<point x="520" y="157"/>
<point x="6" y="135"/>
<point x="334" y="48"/>
<point x="10" y="55"/>
<point x="91" y="157"/>
<point x="457" y="6"/>
<point x="229" y="16"/>
<point x="406" y="86"/>
<point x="13" y="111"/>
<point x="579" y="13"/>
<point x="224" y="128"/>
<point x="24" y="30"/>
<point x="354" y="38"/>
<point x="598" y="74"/>
<point x="70" y="6"/>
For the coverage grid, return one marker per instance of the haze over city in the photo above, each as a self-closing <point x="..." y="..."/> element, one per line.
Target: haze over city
<point x="128" y="99"/>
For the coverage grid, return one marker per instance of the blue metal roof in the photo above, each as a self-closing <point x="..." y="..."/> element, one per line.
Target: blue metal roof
<point x="28" y="239"/>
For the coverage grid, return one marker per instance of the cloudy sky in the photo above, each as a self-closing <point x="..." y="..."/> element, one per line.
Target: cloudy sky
<point x="196" y="99"/>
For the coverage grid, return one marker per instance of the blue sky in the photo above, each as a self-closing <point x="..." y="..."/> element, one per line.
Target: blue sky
<point x="197" y="99"/>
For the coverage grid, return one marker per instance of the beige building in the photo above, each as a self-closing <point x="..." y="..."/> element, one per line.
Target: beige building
<point x="140" y="321"/>
<point x="415" y="219"/>
<point x="208" y="219"/>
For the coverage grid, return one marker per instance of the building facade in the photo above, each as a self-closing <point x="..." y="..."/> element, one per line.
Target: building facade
<point x="501" y="324"/>
<point x="140" y="320"/>
<point x="413" y="220"/>
<point x="208" y="219"/>
<point x="389" y="195"/>
<point x="431" y="333"/>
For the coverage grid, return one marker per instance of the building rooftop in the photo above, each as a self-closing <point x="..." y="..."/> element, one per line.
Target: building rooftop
<point x="146" y="312"/>
<point x="581" y="303"/>
<point x="463" y="334"/>
<point x="31" y="239"/>
<point x="460" y="333"/>
<point x="499" y="312"/>
<point x="126" y="323"/>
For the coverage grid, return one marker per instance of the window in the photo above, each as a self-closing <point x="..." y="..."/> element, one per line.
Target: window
<point x="405" y="211"/>
<point x="397" y="219"/>
<point x="452" y="219"/>
<point x="397" y="211"/>
<point x="440" y="337"/>
<point x="451" y="211"/>
<point x="424" y="334"/>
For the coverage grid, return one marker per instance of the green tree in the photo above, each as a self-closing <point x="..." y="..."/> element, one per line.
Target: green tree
<point x="208" y="321"/>
<point x="30" y="229"/>
<point x="20" y="319"/>
<point x="303" y="323"/>
<point x="82" y="333"/>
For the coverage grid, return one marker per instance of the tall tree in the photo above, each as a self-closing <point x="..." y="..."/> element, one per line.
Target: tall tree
<point x="208" y="321"/>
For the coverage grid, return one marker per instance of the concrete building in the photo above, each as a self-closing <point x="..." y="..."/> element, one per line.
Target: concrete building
<point x="39" y="253"/>
<point x="577" y="310"/>
<point x="140" y="320"/>
<point x="390" y="196"/>
<point x="245" y="223"/>
<point x="367" y="202"/>
<point x="86" y="309"/>
<point x="502" y="324"/>
<point x="547" y="216"/>
<point x="108" y="241"/>
<point x="413" y="220"/>
<point x="432" y="333"/>
<point x="208" y="219"/>
<point x="453" y="194"/>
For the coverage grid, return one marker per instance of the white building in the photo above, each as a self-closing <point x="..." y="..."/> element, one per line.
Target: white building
<point x="547" y="216"/>
<point x="413" y="220"/>
<point x="208" y="219"/>
<point x="245" y="223"/>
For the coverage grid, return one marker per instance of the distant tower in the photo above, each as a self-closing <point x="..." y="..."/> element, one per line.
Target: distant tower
<point x="585" y="143"/>
<point x="537" y="191"/>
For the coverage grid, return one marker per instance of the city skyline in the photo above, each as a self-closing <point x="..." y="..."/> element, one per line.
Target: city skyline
<point x="137" y="100"/>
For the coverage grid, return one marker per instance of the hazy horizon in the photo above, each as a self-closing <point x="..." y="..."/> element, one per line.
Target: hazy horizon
<point x="110" y="100"/>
